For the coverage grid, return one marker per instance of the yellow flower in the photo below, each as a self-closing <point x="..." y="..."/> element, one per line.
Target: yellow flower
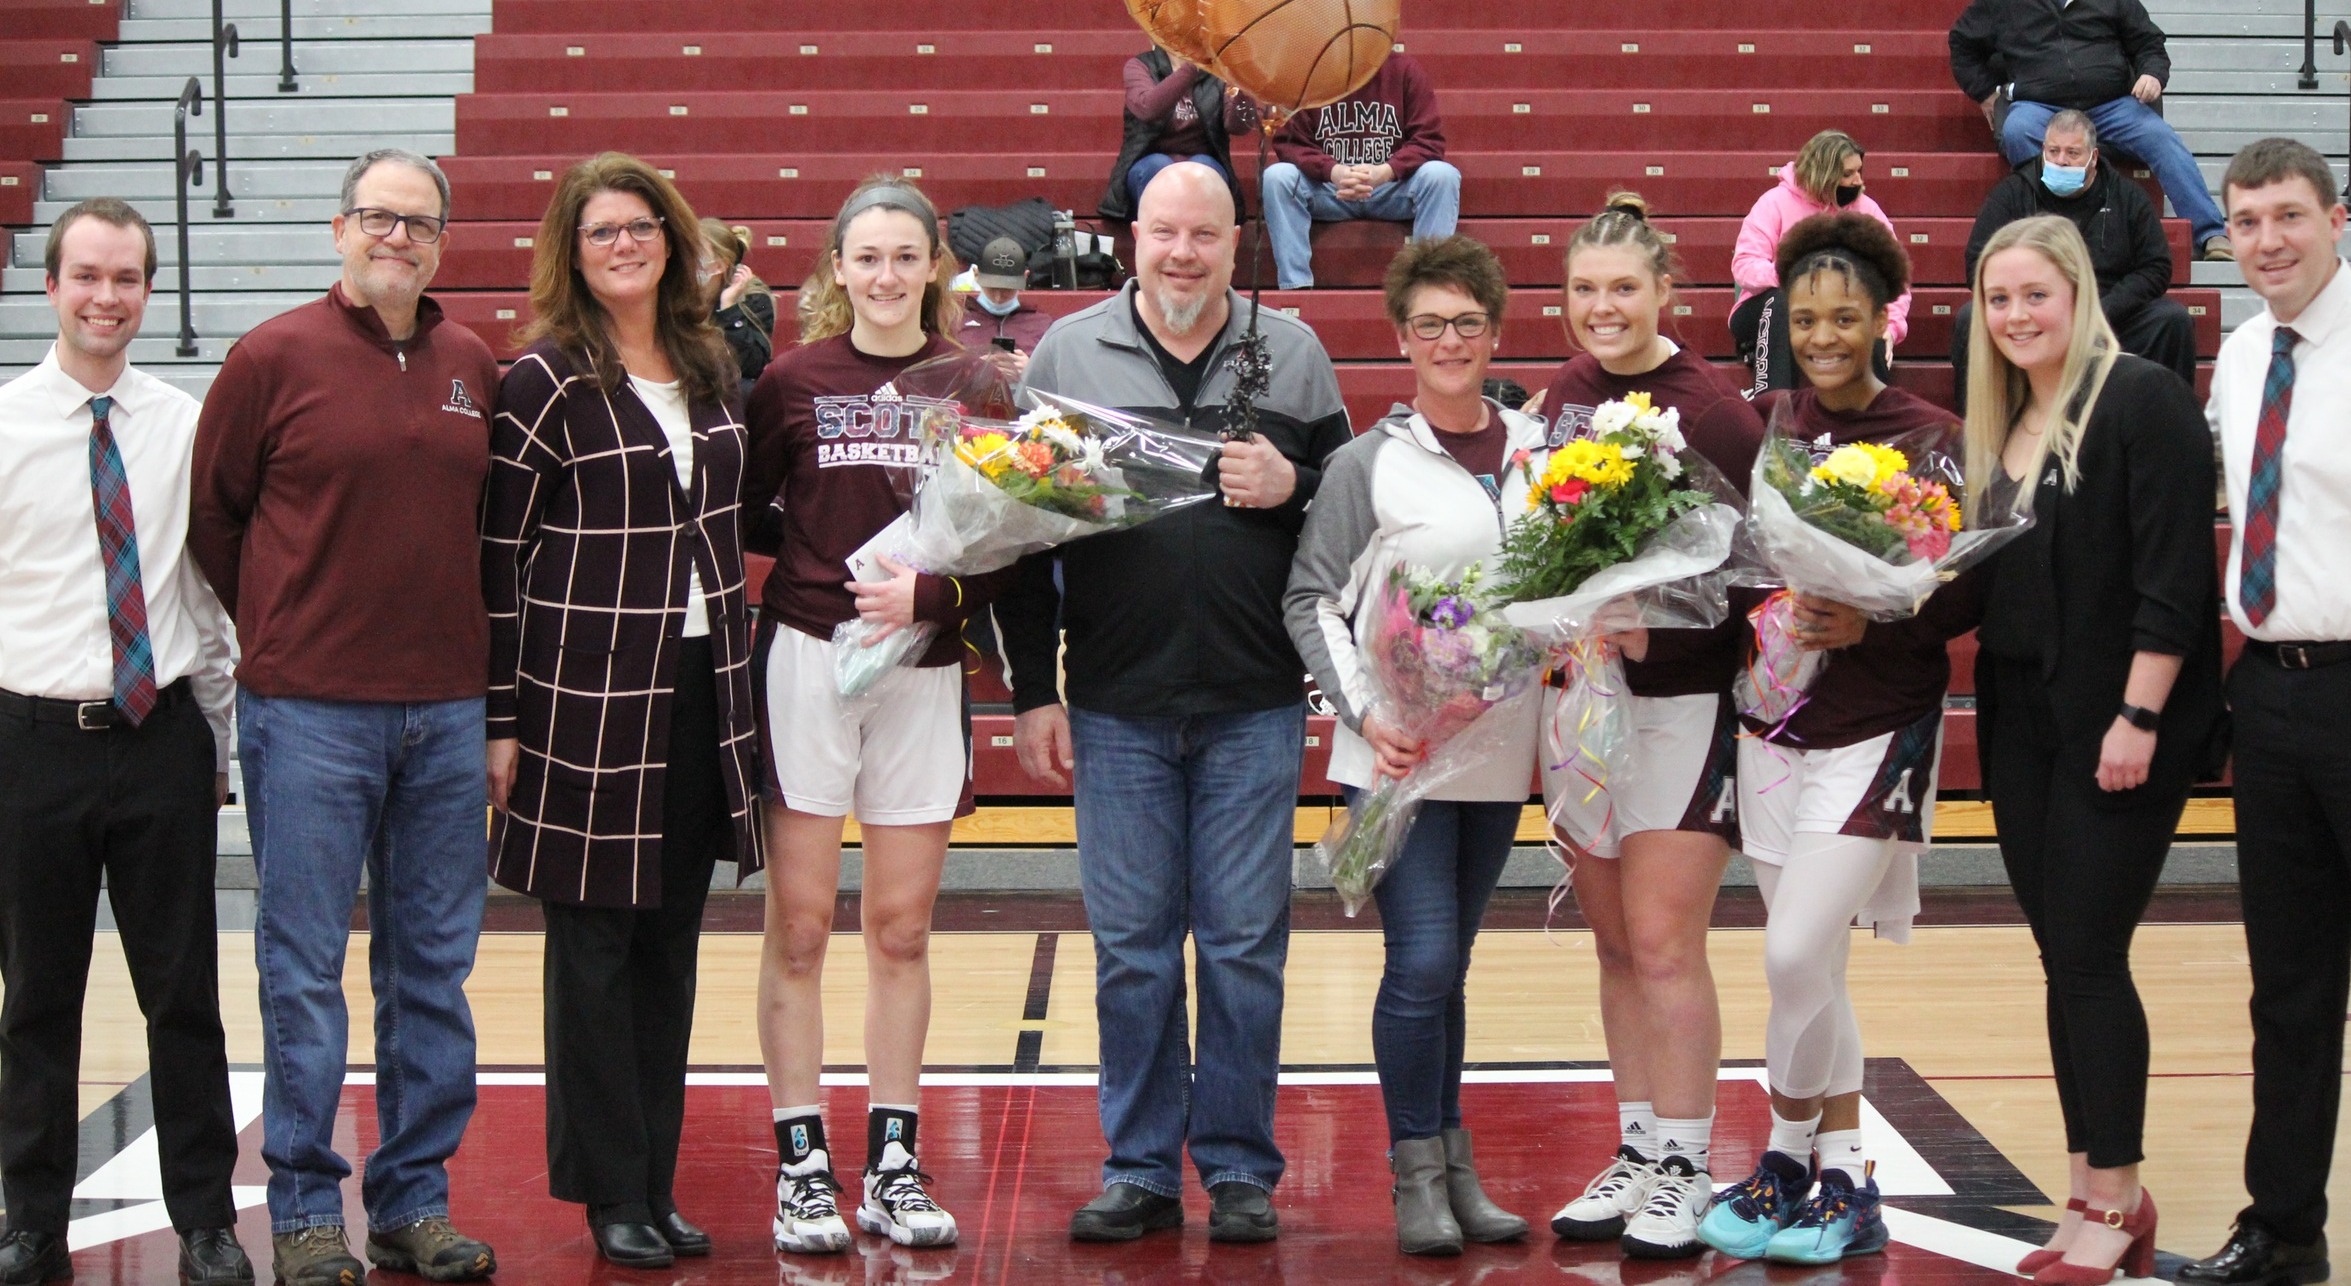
<point x="1861" y="464"/>
<point x="1640" y="403"/>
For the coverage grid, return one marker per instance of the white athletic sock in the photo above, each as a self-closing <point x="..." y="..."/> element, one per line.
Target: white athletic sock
<point x="1842" y="1150"/>
<point x="787" y="1113"/>
<point x="1691" y="1140"/>
<point x="1636" y="1126"/>
<point x="1794" y="1138"/>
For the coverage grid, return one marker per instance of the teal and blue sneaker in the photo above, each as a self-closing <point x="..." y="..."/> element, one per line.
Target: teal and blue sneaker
<point x="1839" y="1221"/>
<point x="1748" y="1214"/>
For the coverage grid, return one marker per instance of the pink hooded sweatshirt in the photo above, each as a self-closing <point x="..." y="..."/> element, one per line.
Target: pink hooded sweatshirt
<point x="1753" y="263"/>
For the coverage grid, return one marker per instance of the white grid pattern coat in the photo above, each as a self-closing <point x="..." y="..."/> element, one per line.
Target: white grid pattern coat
<point x="586" y="542"/>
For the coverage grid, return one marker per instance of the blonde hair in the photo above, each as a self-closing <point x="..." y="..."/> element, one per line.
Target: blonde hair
<point x="1821" y="165"/>
<point x="731" y="243"/>
<point x="824" y="305"/>
<point x="1997" y="389"/>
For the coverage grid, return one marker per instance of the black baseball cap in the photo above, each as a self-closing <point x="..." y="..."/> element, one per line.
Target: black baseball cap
<point x="1003" y="265"/>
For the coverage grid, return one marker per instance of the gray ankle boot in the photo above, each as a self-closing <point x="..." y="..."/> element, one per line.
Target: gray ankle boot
<point x="1424" y="1217"/>
<point x="1479" y="1218"/>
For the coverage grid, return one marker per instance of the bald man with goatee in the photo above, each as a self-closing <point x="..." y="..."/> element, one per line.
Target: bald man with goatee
<point x="1183" y="719"/>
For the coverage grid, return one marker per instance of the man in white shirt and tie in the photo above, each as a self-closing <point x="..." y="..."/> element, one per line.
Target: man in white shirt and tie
<point x="114" y="736"/>
<point x="2280" y="395"/>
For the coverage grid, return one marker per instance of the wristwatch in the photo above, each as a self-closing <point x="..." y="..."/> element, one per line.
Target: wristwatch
<point x="2142" y="718"/>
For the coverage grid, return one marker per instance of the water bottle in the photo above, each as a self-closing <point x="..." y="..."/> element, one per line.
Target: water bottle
<point x="1065" y="250"/>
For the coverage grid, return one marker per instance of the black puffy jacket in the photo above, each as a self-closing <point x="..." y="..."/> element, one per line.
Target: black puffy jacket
<point x="2077" y="54"/>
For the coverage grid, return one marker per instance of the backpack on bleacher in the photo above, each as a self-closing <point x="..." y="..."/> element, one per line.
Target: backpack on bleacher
<point x="1030" y="222"/>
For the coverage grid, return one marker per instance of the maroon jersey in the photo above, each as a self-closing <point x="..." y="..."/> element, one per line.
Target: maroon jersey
<point x="841" y="465"/>
<point x="1896" y="675"/>
<point x="1719" y="426"/>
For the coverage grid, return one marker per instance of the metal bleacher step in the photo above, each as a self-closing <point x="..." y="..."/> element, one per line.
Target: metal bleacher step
<point x="270" y="116"/>
<point x="315" y="58"/>
<point x="260" y="147"/>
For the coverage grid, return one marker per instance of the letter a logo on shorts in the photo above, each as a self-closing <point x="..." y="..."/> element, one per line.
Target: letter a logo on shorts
<point x="1726" y="805"/>
<point x="1898" y="799"/>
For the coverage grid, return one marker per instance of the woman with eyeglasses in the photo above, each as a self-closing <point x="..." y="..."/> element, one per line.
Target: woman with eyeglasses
<point x="1429" y="487"/>
<point x="834" y="456"/>
<point x="623" y="752"/>
<point x="1664" y="832"/>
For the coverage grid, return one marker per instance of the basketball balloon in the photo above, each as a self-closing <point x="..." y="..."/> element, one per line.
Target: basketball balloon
<point x="1175" y="26"/>
<point x="1295" y="54"/>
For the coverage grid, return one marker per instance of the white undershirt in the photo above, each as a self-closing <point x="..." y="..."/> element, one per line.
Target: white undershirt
<point x="668" y="404"/>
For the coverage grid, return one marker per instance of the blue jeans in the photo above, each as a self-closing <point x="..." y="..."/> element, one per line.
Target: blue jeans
<point x="1186" y="824"/>
<point x="2128" y="125"/>
<point x="1430" y="200"/>
<point x="1431" y="902"/>
<point x="1147" y="168"/>
<point x="334" y="788"/>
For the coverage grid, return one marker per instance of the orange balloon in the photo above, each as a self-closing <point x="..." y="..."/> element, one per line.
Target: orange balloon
<point x="1176" y="26"/>
<point x="1291" y="55"/>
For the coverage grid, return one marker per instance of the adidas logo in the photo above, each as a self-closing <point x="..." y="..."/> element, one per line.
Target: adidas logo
<point x="1635" y="1128"/>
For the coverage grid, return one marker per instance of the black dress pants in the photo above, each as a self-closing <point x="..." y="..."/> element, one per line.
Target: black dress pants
<point x="2293" y="792"/>
<point x="620" y="987"/>
<point x="2083" y="869"/>
<point x="136" y="806"/>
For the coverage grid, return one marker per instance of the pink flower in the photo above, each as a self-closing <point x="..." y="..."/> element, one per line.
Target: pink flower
<point x="1570" y="491"/>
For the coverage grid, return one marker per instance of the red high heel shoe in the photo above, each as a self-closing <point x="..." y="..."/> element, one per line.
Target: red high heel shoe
<point x="2138" y="1259"/>
<point x="2040" y="1259"/>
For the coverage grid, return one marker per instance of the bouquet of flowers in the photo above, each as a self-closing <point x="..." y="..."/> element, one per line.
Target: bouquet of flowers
<point x="1875" y="525"/>
<point x="1625" y="529"/>
<point x="995" y="487"/>
<point x="1445" y="668"/>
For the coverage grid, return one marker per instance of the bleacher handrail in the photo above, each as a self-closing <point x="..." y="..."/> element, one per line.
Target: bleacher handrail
<point x="286" y="82"/>
<point x="224" y="47"/>
<point x="188" y="165"/>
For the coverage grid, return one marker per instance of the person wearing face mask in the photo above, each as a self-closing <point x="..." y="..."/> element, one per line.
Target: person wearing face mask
<point x="833" y="455"/>
<point x="1646" y="884"/>
<point x="624" y="756"/>
<point x="1836" y="802"/>
<point x="2120" y="226"/>
<point x="994" y="315"/>
<point x="1826" y="176"/>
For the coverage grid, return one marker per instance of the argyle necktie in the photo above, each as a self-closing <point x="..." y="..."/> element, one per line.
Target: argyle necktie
<point x="118" y="544"/>
<point x="2257" y="583"/>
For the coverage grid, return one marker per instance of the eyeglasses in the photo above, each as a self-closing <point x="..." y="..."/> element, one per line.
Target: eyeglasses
<point x="423" y="229"/>
<point x="639" y="230"/>
<point x="1431" y="326"/>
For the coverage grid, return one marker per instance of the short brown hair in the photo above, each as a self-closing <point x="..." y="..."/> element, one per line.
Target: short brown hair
<point x="105" y="209"/>
<point x="1457" y="261"/>
<point x="564" y="310"/>
<point x="2266" y="161"/>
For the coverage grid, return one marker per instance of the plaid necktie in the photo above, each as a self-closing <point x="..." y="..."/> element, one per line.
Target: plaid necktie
<point x="2257" y="584"/>
<point x="118" y="543"/>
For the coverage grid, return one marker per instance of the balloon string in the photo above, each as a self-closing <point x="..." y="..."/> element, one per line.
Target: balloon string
<point x="1775" y="655"/>
<point x="1252" y="367"/>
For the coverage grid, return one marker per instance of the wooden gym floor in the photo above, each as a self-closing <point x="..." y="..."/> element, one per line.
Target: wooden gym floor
<point x="1959" y="1082"/>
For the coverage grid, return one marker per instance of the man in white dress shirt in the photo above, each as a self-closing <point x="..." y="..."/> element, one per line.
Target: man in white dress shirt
<point x="114" y="736"/>
<point x="2281" y="402"/>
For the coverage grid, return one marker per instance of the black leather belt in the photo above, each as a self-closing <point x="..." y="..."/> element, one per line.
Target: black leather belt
<point x="89" y="716"/>
<point x="2301" y="656"/>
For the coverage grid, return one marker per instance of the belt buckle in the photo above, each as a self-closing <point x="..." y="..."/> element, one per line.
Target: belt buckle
<point x="102" y="710"/>
<point x="2293" y="656"/>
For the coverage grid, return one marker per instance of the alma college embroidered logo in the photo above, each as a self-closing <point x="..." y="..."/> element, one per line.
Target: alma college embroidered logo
<point x="459" y="402"/>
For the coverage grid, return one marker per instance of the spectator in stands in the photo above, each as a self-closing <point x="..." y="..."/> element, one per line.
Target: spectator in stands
<point x="2281" y="403"/>
<point x="1174" y="112"/>
<point x="746" y="308"/>
<point x="336" y="511"/>
<point x="829" y="438"/>
<point x="2117" y="223"/>
<point x="2024" y="60"/>
<point x="2098" y="692"/>
<point x="1187" y="706"/>
<point x="623" y="753"/>
<point x="1378" y="153"/>
<point x="994" y="318"/>
<point x="1827" y="175"/>
<point x="1430" y="487"/>
<point x="114" y="733"/>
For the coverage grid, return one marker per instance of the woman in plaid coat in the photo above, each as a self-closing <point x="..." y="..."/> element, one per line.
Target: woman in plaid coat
<point x="623" y="750"/>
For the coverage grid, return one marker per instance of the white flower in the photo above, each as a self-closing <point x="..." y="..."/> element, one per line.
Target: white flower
<point x="1069" y="444"/>
<point x="1612" y="417"/>
<point x="1669" y="463"/>
<point x="1631" y="451"/>
<point x="1042" y="417"/>
<point x="1666" y="428"/>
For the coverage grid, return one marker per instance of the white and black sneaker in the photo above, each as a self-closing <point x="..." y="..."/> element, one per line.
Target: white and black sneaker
<point x="1608" y="1200"/>
<point x="808" y="1211"/>
<point x="897" y="1207"/>
<point x="1666" y="1225"/>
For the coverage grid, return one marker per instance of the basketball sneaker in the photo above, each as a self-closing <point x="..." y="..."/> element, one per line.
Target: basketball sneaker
<point x="808" y="1211"/>
<point x="1608" y="1200"/>
<point x="897" y="1207"/>
<point x="1748" y="1214"/>
<point x="1666" y="1225"/>
<point x="1840" y="1220"/>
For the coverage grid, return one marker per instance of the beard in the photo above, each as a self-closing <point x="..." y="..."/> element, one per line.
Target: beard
<point x="1180" y="315"/>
